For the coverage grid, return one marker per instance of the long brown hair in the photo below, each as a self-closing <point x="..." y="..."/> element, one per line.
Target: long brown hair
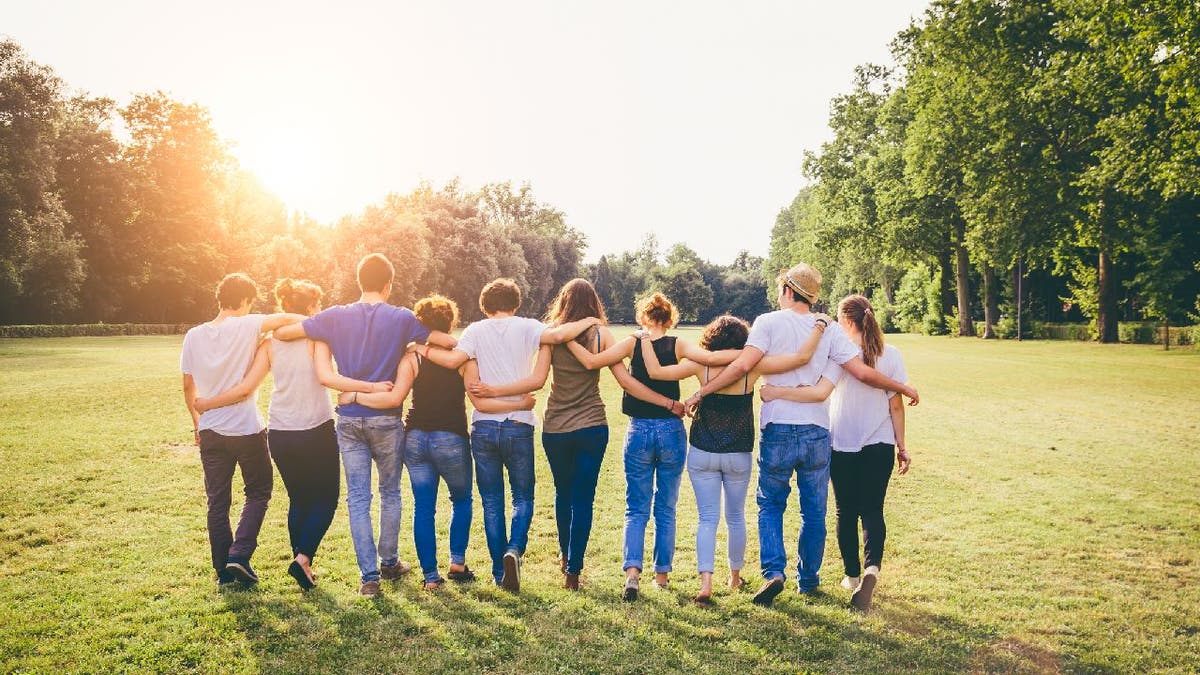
<point x="857" y="309"/>
<point x="576" y="300"/>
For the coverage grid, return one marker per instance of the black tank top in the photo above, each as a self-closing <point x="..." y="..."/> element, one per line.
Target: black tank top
<point x="724" y="422"/>
<point x="664" y="349"/>
<point x="438" y="400"/>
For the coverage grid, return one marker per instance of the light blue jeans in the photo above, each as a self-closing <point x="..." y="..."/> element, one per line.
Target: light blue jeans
<point x="361" y="441"/>
<point x="655" y="452"/>
<point x="711" y="474"/>
<point x="432" y="456"/>
<point x="803" y="449"/>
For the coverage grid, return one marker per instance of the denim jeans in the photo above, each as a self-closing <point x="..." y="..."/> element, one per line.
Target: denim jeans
<point x="361" y="441"/>
<point x="712" y="474"/>
<point x="430" y="456"/>
<point x="655" y="453"/>
<point x="860" y="482"/>
<point x="308" y="464"/>
<point x="497" y="446"/>
<point x="575" y="458"/>
<point x="219" y="456"/>
<point x="803" y="449"/>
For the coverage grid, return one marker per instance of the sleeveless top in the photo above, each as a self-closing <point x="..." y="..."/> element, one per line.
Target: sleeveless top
<point x="574" y="401"/>
<point x="438" y="400"/>
<point x="664" y="349"/>
<point x="298" y="402"/>
<point x="725" y="422"/>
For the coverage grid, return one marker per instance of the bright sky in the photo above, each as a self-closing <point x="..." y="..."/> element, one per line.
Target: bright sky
<point x="685" y="119"/>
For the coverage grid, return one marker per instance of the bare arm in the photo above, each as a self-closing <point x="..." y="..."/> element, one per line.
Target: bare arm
<point x="814" y="394"/>
<point x="657" y="371"/>
<point x="781" y="363"/>
<point x="292" y="331"/>
<point x="254" y="376"/>
<point x="327" y="376"/>
<point x="446" y="358"/>
<point x="641" y="391"/>
<point x="534" y="381"/>
<point x="406" y="372"/>
<point x="276" y="321"/>
<point x="896" y="410"/>
<point x="439" y="339"/>
<point x="691" y="352"/>
<point x="868" y="375"/>
<point x="491" y="405"/>
<point x="189" y="398"/>
<point x="618" y="352"/>
<point x="568" y="331"/>
<point x="735" y="371"/>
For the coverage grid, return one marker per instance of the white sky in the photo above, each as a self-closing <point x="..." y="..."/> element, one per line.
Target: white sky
<point x="686" y="119"/>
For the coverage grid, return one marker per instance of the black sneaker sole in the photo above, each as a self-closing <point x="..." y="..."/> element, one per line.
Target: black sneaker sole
<point x="766" y="595"/>
<point x="630" y="594"/>
<point x="298" y="574"/>
<point x="243" y="574"/>
<point x="861" y="599"/>
<point x="511" y="581"/>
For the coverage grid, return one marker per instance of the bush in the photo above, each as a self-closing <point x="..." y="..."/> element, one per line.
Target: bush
<point x="93" y="330"/>
<point x="1065" y="331"/>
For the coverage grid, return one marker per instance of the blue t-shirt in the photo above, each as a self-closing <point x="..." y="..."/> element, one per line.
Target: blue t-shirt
<point x="367" y="341"/>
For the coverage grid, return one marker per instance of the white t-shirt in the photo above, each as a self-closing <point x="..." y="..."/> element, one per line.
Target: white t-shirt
<point x="504" y="349"/>
<point x="784" y="332"/>
<point x="860" y="412"/>
<point x="298" y="402"/>
<point x="217" y="357"/>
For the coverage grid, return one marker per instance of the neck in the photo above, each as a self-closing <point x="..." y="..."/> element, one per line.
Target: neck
<point x="501" y="315"/>
<point x="656" y="331"/>
<point x="855" y="337"/>
<point x="800" y="307"/>
<point x="226" y="313"/>
<point x="371" y="298"/>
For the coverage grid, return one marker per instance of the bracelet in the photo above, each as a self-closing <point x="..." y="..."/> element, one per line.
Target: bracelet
<point x="822" y="323"/>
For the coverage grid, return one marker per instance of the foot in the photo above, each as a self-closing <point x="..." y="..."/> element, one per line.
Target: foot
<point x="850" y="583"/>
<point x="661" y="582"/>
<point x="297" y="573"/>
<point x="630" y="593"/>
<point x="369" y="589"/>
<point x="395" y="571"/>
<point x="703" y="600"/>
<point x="766" y="595"/>
<point x="435" y="584"/>
<point x="571" y="582"/>
<point x="225" y="578"/>
<point x="562" y="564"/>
<point x="511" y="581"/>
<point x="861" y="599"/>
<point x="462" y="575"/>
<point x="241" y="570"/>
<point x="737" y="583"/>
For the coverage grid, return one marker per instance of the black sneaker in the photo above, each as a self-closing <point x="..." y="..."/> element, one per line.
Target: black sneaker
<point x="631" y="589"/>
<point x="298" y="574"/>
<point x="241" y="570"/>
<point x="861" y="599"/>
<point x="511" y="581"/>
<point x="225" y="577"/>
<point x="766" y="595"/>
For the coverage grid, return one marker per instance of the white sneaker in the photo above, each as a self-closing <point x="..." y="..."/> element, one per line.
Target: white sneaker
<point x="850" y="583"/>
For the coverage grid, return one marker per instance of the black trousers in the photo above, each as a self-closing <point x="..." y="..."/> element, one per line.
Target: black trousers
<point x="308" y="463"/>
<point x="220" y="455"/>
<point x="860" y="481"/>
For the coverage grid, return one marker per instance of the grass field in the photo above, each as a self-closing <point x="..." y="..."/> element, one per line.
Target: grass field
<point x="1051" y="521"/>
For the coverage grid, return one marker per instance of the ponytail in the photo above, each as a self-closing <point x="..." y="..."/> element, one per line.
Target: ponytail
<point x="857" y="309"/>
<point x="295" y="296"/>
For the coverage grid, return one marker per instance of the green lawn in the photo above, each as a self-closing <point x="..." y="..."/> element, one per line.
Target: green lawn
<point x="1051" y="521"/>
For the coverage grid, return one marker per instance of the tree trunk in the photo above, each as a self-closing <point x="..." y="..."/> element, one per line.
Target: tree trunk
<point x="1106" y="314"/>
<point x="946" y="266"/>
<point x="991" y="308"/>
<point x="966" y="327"/>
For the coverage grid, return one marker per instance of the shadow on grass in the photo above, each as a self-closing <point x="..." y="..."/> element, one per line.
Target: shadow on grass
<point x="478" y="627"/>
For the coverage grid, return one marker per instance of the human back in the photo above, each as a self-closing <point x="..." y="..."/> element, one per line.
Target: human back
<point x="504" y="348"/>
<point x="298" y="400"/>
<point x="217" y="355"/>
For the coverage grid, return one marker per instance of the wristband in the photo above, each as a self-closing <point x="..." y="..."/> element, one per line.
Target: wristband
<point x="822" y="323"/>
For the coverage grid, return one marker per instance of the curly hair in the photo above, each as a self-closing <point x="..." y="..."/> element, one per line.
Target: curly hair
<point x="437" y="312"/>
<point x="725" y="332"/>
<point x="296" y="296"/>
<point x="658" y="310"/>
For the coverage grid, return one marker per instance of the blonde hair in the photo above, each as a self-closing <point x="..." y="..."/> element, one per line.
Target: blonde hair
<point x="803" y="280"/>
<point x="437" y="312"/>
<point x="296" y="296"/>
<point x="657" y="309"/>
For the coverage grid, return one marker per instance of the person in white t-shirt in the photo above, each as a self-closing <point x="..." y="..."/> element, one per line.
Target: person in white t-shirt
<point x="215" y="356"/>
<point x="868" y="439"/>
<point x="795" y="436"/>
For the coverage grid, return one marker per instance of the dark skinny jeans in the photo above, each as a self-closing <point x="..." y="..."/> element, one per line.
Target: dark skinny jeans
<point x="860" y="481"/>
<point x="220" y="455"/>
<point x="308" y="464"/>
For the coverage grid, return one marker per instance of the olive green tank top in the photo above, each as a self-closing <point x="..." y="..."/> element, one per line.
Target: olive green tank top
<point x="574" y="392"/>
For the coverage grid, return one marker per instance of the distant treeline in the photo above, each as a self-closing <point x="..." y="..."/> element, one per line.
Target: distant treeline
<point x="1040" y="153"/>
<point x="139" y="228"/>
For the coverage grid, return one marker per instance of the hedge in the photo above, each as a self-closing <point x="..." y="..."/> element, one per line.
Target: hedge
<point x="1129" y="332"/>
<point x="94" y="330"/>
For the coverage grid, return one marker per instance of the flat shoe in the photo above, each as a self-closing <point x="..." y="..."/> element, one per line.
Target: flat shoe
<point x="297" y="573"/>
<point x="703" y="601"/>
<point x="461" y="577"/>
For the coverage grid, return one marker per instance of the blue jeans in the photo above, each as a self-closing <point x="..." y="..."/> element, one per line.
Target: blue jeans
<point x="430" y="456"/>
<point x="575" y="458"/>
<point x="361" y="441"/>
<point x="497" y="446"/>
<point x="655" y="454"/>
<point x="714" y="474"/>
<point x="804" y="449"/>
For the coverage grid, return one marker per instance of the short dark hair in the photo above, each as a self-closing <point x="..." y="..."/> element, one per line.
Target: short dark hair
<point x="437" y="312"/>
<point x="725" y="332"/>
<point x="500" y="295"/>
<point x="235" y="289"/>
<point x="375" y="273"/>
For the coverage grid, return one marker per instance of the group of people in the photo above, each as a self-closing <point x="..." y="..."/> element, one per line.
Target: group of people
<point x="386" y="355"/>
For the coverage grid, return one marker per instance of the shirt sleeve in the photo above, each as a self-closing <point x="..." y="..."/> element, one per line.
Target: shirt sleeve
<point x="319" y="326"/>
<point x="185" y="356"/>
<point x="896" y="369"/>
<point x="760" y="335"/>
<point x="841" y="348"/>
<point x="533" y="334"/>
<point x="833" y="372"/>
<point x="467" y="342"/>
